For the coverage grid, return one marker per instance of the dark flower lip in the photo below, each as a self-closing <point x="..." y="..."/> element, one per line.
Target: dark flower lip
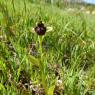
<point x="40" y="29"/>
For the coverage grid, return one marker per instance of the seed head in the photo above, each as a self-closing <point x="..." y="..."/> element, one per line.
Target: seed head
<point x="40" y="29"/>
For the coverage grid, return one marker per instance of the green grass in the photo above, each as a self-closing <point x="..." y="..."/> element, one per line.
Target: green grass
<point x="68" y="49"/>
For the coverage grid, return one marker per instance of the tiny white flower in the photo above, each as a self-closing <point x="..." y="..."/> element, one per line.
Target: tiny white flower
<point x="59" y="82"/>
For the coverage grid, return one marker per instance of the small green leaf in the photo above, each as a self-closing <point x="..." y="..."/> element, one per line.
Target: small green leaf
<point x="2" y="65"/>
<point x="51" y="90"/>
<point x="33" y="60"/>
<point x="2" y="87"/>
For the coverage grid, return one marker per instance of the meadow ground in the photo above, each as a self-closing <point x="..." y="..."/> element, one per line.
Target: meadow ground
<point x="62" y="62"/>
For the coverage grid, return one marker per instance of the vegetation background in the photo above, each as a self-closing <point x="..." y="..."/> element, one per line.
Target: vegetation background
<point x="63" y="64"/>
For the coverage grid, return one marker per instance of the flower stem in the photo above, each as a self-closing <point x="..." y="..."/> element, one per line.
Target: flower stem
<point x="40" y="46"/>
<point x="43" y="76"/>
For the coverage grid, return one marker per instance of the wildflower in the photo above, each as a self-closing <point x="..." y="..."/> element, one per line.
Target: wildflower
<point x="59" y="88"/>
<point x="59" y="82"/>
<point x="40" y="29"/>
